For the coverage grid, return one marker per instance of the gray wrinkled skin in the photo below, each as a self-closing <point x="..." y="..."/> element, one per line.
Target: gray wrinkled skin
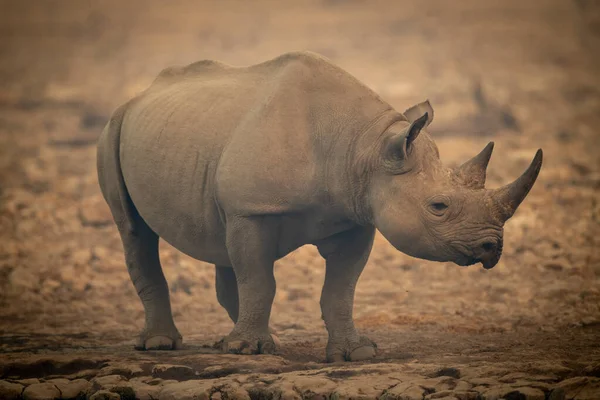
<point x="240" y="166"/>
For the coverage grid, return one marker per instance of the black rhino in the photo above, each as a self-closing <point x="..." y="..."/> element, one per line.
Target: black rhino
<point x="239" y="166"/>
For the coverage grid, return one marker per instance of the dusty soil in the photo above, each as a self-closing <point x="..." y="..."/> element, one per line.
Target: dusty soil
<point x="524" y="74"/>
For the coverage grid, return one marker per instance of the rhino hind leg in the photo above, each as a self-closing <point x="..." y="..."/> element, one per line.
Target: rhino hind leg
<point x="143" y="264"/>
<point x="346" y="255"/>
<point x="140" y="243"/>
<point x="251" y="244"/>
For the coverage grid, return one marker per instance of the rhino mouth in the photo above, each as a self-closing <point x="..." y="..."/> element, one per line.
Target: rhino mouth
<point x="485" y="263"/>
<point x="468" y="261"/>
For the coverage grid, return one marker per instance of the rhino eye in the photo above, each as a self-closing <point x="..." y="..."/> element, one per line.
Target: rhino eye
<point x="438" y="207"/>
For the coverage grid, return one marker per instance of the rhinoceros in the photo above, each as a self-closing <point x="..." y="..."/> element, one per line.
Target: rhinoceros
<point x="239" y="166"/>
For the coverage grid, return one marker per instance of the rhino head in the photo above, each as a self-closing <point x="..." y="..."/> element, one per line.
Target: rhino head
<point x="432" y="212"/>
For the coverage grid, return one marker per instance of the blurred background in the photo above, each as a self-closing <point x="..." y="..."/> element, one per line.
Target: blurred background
<point x="522" y="73"/>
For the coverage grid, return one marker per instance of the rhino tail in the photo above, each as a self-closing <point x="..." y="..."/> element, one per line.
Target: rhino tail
<point x="110" y="175"/>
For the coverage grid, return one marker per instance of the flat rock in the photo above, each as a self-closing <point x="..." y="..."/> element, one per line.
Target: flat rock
<point x="581" y="388"/>
<point x="124" y="369"/>
<point x="10" y="391"/>
<point x="108" y="380"/>
<point x="143" y="391"/>
<point x="41" y="391"/>
<point x="444" y="394"/>
<point x="168" y="371"/>
<point x="27" y="382"/>
<point x="466" y="395"/>
<point x="105" y="383"/>
<point x="188" y="390"/>
<point x="295" y="386"/>
<point x="462" y="386"/>
<point x="404" y="391"/>
<point x="72" y="389"/>
<point x="505" y="391"/>
<point x="105" y="395"/>
<point x="483" y="382"/>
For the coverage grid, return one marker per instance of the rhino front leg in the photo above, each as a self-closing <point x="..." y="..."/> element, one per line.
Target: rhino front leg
<point x="143" y="264"/>
<point x="252" y="248"/>
<point x="346" y="255"/>
<point x="227" y="295"/>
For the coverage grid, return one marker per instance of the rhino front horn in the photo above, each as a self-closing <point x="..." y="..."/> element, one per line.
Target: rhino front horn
<point x="473" y="172"/>
<point x="510" y="196"/>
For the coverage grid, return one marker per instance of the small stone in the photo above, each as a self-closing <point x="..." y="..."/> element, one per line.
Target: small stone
<point x="27" y="382"/>
<point x="155" y="381"/>
<point x="557" y="394"/>
<point x="168" y="371"/>
<point x="124" y="392"/>
<point x="188" y="390"/>
<point x="441" y="395"/>
<point x="123" y="369"/>
<point x="105" y="395"/>
<point x="108" y="381"/>
<point x="105" y="383"/>
<point x="41" y="391"/>
<point x="505" y="391"/>
<point x="483" y="382"/>
<point x="57" y="381"/>
<point x="466" y="395"/>
<point x="71" y="389"/>
<point x="462" y="386"/>
<point x="451" y="372"/>
<point x="544" y="387"/>
<point x="144" y="391"/>
<point x="531" y="393"/>
<point x="405" y="392"/>
<point x="592" y="370"/>
<point x="444" y="383"/>
<point x="581" y="388"/>
<point x="233" y="391"/>
<point x="10" y="391"/>
<point x="512" y="377"/>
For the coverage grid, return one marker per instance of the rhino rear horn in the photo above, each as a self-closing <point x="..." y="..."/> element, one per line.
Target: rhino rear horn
<point x="473" y="172"/>
<point x="509" y="197"/>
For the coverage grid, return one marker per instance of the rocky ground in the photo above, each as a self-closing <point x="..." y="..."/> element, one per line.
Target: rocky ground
<point x="524" y="74"/>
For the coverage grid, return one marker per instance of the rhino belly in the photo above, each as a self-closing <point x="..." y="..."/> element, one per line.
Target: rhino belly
<point x="186" y="221"/>
<point x="172" y="188"/>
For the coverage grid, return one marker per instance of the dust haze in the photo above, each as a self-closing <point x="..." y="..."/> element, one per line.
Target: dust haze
<point x="524" y="74"/>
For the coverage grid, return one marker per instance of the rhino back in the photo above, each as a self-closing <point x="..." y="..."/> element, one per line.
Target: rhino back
<point x="211" y="139"/>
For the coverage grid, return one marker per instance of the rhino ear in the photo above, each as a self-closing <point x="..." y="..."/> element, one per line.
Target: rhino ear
<point x="416" y="111"/>
<point x="398" y="146"/>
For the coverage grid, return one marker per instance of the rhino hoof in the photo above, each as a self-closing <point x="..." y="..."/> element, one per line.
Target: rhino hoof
<point x="365" y="349"/>
<point x="238" y="346"/>
<point x="159" y="342"/>
<point x="362" y="353"/>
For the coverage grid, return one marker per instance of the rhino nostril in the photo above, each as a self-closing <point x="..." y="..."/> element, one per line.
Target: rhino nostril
<point x="488" y="246"/>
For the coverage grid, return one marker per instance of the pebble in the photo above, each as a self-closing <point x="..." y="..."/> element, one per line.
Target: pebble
<point x="72" y="389"/>
<point x="581" y="388"/>
<point x="168" y="371"/>
<point x="188" y="390"/>
<point x="105" y="395"/>
<point x="29" y="381"/>
<point x="505" y="391"/>
<point x="41" y="391"/>
<point x="10" y="391"/>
